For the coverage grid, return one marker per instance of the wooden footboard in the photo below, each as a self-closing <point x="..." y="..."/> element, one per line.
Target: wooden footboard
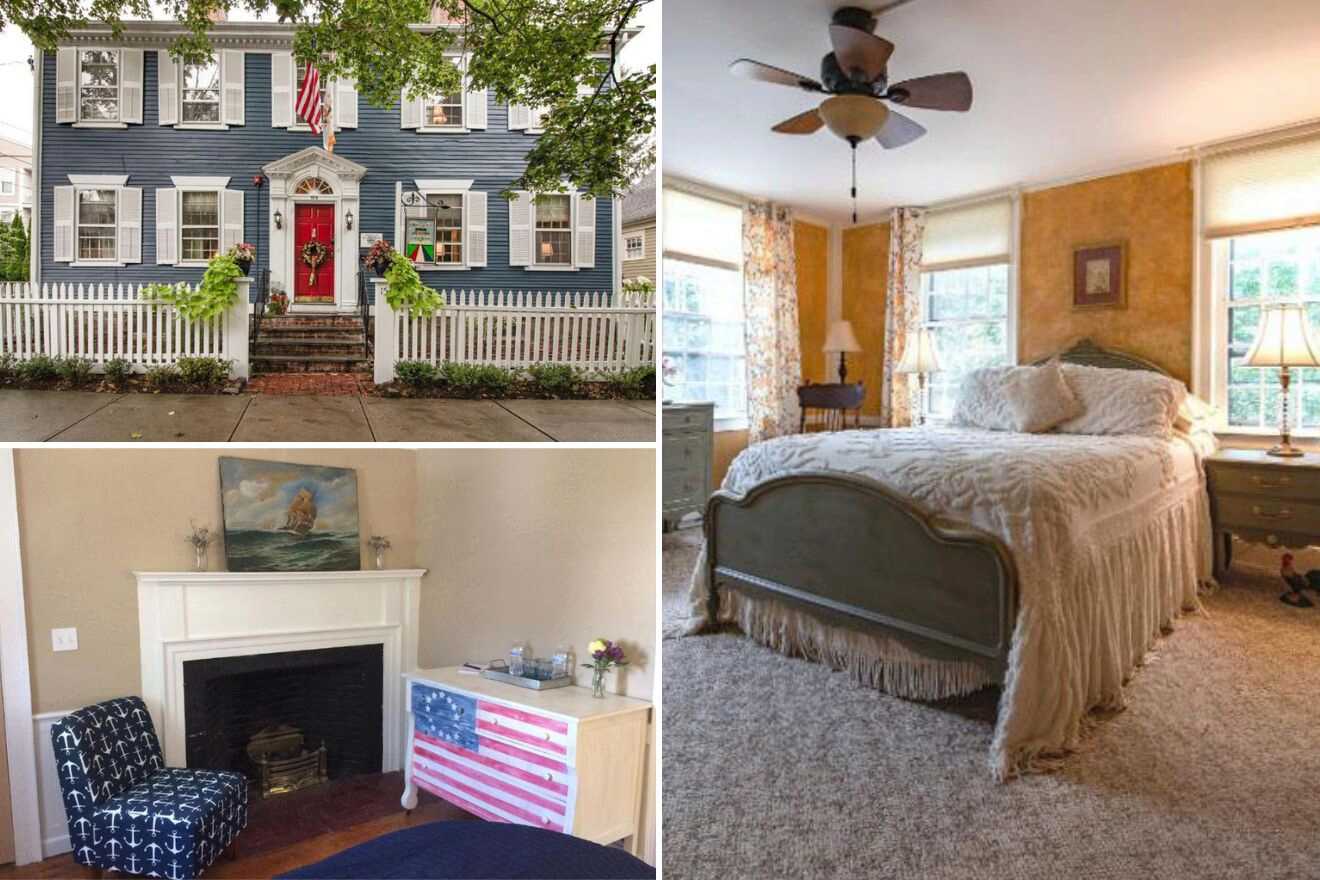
<point x="853" y="552"/>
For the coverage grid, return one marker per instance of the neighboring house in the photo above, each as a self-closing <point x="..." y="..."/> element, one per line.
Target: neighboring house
<point x="638" y="241"/>
<point x="15" y="181"/>
<point x="147" y="168"/>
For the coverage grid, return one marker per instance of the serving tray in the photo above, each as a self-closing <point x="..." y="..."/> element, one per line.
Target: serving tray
<point x="535" y="684"/>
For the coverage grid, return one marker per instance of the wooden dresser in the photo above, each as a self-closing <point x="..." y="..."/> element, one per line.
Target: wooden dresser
<point x="1262" y="499"/>
<point x="687" y="438"/>
<point x="558" y="759"/>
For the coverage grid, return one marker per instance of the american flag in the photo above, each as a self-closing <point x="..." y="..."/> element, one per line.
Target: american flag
<point x="308" y="106"/>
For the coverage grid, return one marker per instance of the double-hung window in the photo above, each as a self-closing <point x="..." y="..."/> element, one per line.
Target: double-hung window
<point x="553" y="239"/>
<point x="97" y="212"/>
<point x="98" y="85"/>
<point x="634" y="247"/>
<point x="966" y="295"/>
<point x="199" y="225"/>
<point x="434" y="230"/>
<point x="1260" y="228"/>
<point x="444" y="111"/>
<point x="8" y="181"/>
<point x="704" y="356"/>
<point x="201" y="92"/>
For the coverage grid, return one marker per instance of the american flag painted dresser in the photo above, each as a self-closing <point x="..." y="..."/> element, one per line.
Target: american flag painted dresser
<point x="557" y="759"/>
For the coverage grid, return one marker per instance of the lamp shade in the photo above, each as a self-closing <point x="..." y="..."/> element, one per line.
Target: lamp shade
<point x="841" y="338"/>
<point x="919" y="355"/>
<point x="854" y="116"/>
<point x="1283" y="340"/>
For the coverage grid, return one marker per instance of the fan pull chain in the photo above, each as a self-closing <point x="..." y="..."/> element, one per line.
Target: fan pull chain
<point x="854" y="182"/>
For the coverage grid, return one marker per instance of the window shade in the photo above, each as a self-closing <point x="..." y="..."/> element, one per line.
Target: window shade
<point x="1260" y="189"/>
<point x="973" y="235"/>
<point x="702" y="228"/>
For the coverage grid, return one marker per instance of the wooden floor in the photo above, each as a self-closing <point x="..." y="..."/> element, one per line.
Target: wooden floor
<point x="268" y="864"/>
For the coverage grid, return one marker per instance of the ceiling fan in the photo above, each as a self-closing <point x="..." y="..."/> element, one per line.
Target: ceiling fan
<point x="856" y="77"/>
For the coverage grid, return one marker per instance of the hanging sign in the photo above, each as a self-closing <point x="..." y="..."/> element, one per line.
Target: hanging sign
<point x="419" y="240"/>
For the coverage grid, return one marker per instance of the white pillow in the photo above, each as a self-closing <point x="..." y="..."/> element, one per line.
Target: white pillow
<point x="1137" y="402"/>
<point x="1028" y="400"/>
<point x="1194" y="414"/>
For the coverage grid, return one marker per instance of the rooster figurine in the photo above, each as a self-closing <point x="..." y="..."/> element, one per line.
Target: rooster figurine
<point x="1296" y="583"/>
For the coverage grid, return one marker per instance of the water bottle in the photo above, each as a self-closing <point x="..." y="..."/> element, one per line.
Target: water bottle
<point x="562" y="662"/>
<point x="516" y="659"/>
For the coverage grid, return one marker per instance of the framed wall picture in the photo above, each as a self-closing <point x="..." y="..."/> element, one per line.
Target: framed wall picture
<point x="289" y="517"/>
<point x="1100" y="276"/>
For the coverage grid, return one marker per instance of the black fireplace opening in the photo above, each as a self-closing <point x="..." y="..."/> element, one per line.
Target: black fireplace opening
<point x="332" y="696"/>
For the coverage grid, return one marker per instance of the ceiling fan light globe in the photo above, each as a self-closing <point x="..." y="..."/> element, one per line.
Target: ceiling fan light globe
<point x="854" y="116"/>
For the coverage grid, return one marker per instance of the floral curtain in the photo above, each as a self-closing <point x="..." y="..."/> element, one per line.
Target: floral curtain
<point x="774" y="359"/>
<point x="902" y="312"/>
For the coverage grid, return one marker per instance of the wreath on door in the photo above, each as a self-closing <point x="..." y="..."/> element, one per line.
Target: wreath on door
<point x="314" y="254"/>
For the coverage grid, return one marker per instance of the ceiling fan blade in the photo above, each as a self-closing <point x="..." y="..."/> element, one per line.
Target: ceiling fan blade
<point x="899" y="131"/>
<point x="804" y="123"/>
<point x="749" y="69"/>
<point x="858" y="51"/>
<point x="940" y="91"/>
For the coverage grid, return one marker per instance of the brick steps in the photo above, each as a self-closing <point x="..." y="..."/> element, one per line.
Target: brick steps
<point x="311" y="344"/>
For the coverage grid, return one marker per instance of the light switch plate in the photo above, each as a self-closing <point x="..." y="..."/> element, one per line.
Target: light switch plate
<point x="65" y="639"/>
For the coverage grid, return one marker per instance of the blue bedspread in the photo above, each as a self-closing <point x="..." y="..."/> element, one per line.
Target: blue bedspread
<point x="478" y="851"/>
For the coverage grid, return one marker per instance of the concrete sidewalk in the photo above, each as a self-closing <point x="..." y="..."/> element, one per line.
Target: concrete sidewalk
<point x="78" y="416"/>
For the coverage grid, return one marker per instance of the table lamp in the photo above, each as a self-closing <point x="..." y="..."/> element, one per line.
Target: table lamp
<point x="841" y="339"/>
<point x="1284" y="340"/>
<point x="919" y="357"/>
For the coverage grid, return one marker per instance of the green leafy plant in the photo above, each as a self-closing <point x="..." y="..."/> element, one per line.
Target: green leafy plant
<point x="556" y="380"/>
<point x="8" y="366"/>
<point x="475" y="380"/>
<point x="210" y="372"/>
<point x="416" y="374"/>
<point x="39" y="368"/>
<point x="217" y="292"/>
<point x="117" y="371"/>
<point x="637" y="383"/>
<point x="74" y="370"/>
<point x="405" y="291"/>
<point x="15" y="250"/>
<point x="163" y="376"/>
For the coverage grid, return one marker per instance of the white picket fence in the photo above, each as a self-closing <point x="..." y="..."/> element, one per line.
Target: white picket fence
<point x="102" y="322"/>
<point x="518" y="328"/>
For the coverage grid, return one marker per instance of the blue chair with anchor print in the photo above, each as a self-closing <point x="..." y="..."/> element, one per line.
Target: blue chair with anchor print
<point x="127" y="811"/>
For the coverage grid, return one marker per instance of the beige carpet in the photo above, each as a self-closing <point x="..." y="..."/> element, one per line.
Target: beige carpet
<point x="775" y="767"/>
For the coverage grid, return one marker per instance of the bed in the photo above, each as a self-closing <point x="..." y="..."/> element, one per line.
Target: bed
<point x="476" y="850"/>
<point x="934" y="562"/>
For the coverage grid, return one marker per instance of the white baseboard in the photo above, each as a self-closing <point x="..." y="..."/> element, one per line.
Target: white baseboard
<point x="54" y="824"/>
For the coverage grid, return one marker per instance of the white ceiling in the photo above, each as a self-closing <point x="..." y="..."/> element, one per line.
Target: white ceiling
<point x="1062" y="88"/>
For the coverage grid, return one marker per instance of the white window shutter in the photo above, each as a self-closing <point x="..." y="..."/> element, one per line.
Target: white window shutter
<point x="233" y="73"/>
<point x="232" y="218"/>
<point x="410" y="111"/>
<point x="584" y="216"/>
<point x="66" y="85"/>
<point x="346" y="103"/>
<point x="130" y="73"/>
<point x="167" y="226"/>
<point x="281" y="89"/>
<point x="130" y="224"/>
<point x="64" y="224"/>
<point x="474" y="225"/>
<point x="474" y="102"/>
<point x="167" y="88"/>
<point x="520" y="117"/>
<point x="520" y="229"/>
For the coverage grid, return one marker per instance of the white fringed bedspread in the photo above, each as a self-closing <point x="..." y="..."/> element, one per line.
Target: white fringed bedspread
<point x="1111" y="536"/>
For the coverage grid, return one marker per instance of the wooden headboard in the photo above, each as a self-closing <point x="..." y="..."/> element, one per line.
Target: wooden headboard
<point x="1089" y="354"/>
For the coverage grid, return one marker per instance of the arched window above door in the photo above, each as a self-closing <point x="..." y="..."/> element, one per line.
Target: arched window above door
<point x="313" y="186"/>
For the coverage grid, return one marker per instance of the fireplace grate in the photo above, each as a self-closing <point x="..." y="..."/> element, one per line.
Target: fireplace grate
<point x="283" y="764"/>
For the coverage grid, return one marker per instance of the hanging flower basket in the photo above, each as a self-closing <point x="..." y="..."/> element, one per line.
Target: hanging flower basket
<point x="314" y="254"/>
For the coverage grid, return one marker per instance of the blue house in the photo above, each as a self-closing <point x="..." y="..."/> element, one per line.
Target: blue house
<point x="145" y="167"/>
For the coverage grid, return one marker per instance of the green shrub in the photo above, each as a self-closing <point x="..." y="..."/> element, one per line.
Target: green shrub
<point x="473" y="380"/>
<point x="217" y="292"/>
<point x="637" y="383"/>
<point x="416" y="374"/>
<point x="74" y="370"/>
<point x="117" y="371"/>
<point x="8" y="366"/>
<point x="406" y="292"/>
<point x="161" y="377"/>
<point x="40" y="368"/>
<point x="556" y="380"/>
<point x="209" y="372"/>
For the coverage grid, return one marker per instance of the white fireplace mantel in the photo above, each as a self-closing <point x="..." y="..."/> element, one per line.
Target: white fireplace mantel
<point x="193" y="615"/>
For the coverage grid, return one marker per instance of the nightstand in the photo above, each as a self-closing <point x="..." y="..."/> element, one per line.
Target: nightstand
<point x="1262" y="499"/>
<point x="687" y="446"/>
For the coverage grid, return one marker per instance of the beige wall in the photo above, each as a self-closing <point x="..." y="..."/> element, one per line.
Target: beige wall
<point x="89" y="518"/>
<point x="645" y="267"/>
<point x="865" y="276"/>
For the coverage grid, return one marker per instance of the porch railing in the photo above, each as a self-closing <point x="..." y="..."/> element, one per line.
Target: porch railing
<point x="102" y="322"/>
<point x="518" y="328"/>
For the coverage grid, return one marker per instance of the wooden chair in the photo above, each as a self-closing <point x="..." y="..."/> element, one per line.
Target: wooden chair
<point x="825" y="407"/>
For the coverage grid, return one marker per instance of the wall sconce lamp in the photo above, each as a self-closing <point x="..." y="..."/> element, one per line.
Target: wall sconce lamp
<point x="279" y="220"/>
<point x="348" y="221"/>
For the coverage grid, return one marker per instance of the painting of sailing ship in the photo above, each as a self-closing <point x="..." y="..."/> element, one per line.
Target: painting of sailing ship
<point x="289" y="517"/>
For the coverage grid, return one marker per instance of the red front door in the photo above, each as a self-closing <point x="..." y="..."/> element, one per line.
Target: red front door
<point x="313" y="284"/>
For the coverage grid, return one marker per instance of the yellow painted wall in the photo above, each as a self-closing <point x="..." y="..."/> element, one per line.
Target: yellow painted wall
<point x="1152" y="210"/>
<point x="811" y="247"/>
<point x="865" y="276"/>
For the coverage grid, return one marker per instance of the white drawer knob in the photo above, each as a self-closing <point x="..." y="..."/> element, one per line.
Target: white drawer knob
<point x="547" y="736"/>
<point x="545" y="820"/>
<point x="549" y="777"/>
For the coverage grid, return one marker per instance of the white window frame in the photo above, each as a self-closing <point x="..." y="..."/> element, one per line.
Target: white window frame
<point x="182" y="71"/>
<point x="427" y="188"/>
<point x="78" y="258"/>
<point x="8" y="182"/>
<point x="536" y="119"/>
<point x="118" y="121"/>
<point x="327" y="91"/>
<point x="571" y="265"/>
<point x="216" y="185"/>
<point x="81" y="183"/>
<point x="219" y="223"/>
<point x="722" y="423"/>
<point x="640" y="239"/>
<point x="429" y="101"/>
